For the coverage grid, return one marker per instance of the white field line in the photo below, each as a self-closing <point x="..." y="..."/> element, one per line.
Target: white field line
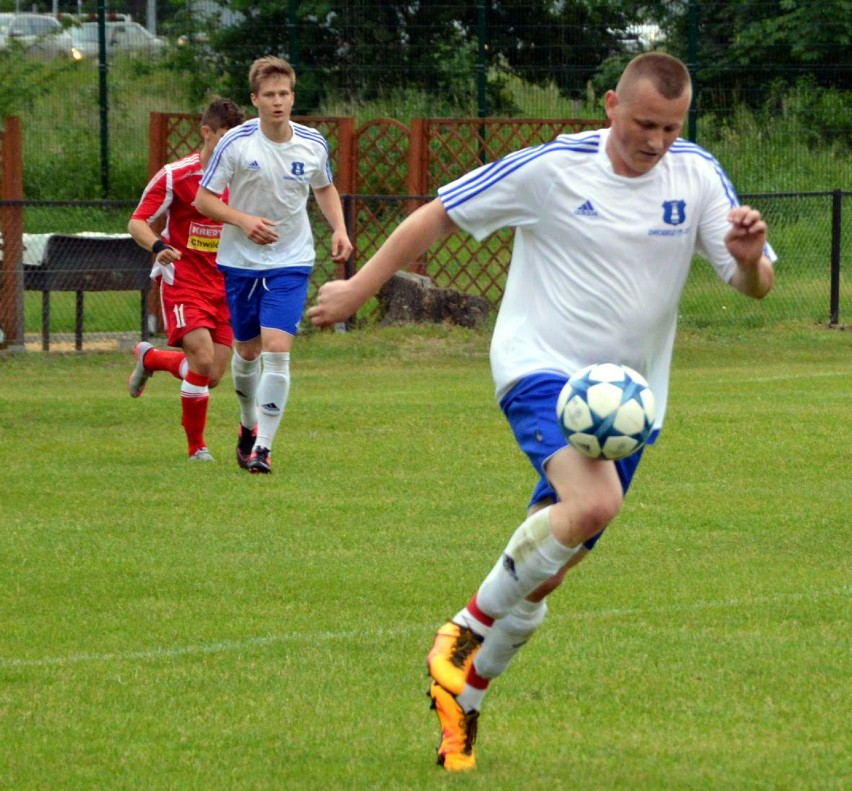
<point x="225" y="646"/>
<point x="698" y="375"/>
<point x="793" y="377"/>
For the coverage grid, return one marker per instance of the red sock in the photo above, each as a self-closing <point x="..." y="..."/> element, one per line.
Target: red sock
<point x="164" y="360"/>
<point x="473" y="609"/>
<point x="475" y="680"/>
<point x="194" y="410"/>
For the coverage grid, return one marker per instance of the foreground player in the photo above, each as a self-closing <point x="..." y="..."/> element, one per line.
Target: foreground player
<point x="606" y="224"/>
<point x="192" y="291"/>
<point x="269" y="165"/>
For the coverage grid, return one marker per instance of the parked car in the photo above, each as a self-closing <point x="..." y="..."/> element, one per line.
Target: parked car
<point x="641" y="37"/>
<point x="121" y="37"/>
<point x="39" y="34"/>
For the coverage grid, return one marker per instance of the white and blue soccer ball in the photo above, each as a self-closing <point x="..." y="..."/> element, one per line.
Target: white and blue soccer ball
<point x="606" y="411"/>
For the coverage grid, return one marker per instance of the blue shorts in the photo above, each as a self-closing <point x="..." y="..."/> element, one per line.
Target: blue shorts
<point x="530" y="408"/>
<point x="275" y="302"/>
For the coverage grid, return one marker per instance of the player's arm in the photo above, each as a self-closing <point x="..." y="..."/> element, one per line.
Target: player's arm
<point x="746" y="242"/>
<point x="328" y="199"/>
<point x="154" y="204"/>
<point x="339" y="299"/>
<point x="259" y="229"/>
<point x="146" y="238"/>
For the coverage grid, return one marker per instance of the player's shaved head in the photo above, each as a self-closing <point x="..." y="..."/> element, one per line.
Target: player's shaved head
<point x="667" y="74"/>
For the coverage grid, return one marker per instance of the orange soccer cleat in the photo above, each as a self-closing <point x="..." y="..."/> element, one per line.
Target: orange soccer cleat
<point x="458" y="731"/>
<point x="452" y="655"/>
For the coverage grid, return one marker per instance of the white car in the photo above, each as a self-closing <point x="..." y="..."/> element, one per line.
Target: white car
<point x="38" y="34"/>
<point x="121" y="37"/>
<point x="641" y="37"/>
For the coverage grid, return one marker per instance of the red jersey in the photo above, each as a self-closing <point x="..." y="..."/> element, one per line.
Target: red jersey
<point x="171" y="193"/>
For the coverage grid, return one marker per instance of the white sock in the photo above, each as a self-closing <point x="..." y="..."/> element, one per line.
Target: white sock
<point x="188" y="389"/>
<point x="272" y="393"/>
<point x="464" y="617"/>
<point x="470" y="698"/>
<point x="508" y="636"/>
<point x="246" y="374"/>
<point x="532" y="556"/>
<point x="505" y="638"/>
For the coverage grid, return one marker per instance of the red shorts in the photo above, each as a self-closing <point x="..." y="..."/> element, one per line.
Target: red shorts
<point x="187" y="308"/>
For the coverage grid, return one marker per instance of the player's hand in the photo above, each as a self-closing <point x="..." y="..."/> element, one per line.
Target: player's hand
<point x="746" y="238"/>
<point x="335" y="302"/>
<point x="167" y="255"/>
<point x="341" y="247"/>
<point x="259" y="229"/>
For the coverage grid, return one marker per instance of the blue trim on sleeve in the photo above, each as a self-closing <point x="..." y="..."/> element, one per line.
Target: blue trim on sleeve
<point x="237" y="133"/>
<point x="456" y="193"/>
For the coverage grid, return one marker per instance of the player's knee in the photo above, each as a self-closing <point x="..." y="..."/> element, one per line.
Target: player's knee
<point x="202" y="363"/>
<point x="247" y="351"/>
<point x="218" y="372"/>
<point x="599" y="513"/>
<point x="582" y="519"/>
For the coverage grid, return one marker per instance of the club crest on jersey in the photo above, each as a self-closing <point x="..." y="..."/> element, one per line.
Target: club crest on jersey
<point x="298" y="173"/>
<point x="674" y="212"/>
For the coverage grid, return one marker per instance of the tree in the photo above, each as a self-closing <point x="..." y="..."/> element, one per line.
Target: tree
<point x="743" y="46"/>
<point x="23" y="78"/>
<point x="360" y="49"/>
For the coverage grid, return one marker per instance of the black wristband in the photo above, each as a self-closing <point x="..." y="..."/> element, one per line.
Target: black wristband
<point x="158" y="247"/>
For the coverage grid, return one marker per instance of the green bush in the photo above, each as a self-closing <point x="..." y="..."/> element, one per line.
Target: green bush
<point x="64" y="138"/>
<point x="775" y="149"/>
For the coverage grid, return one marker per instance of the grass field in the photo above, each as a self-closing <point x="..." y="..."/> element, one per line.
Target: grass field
<point x="176" y="626"/>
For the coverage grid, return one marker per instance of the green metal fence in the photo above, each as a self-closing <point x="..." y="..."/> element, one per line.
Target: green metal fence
<point x="771" y="102"/>
<point x="773" y="73"/>
<point x="811" y="232"/>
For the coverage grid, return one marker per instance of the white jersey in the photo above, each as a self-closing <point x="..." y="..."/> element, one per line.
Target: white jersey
<point x="599" y="260"/>
<point x="272" y="180"/>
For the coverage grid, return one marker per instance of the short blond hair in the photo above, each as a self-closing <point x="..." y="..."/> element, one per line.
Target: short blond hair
<point x="270" y="66"/>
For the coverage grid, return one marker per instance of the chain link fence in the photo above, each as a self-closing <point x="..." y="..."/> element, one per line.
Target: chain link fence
<point x="809" y="230"/>
<point x="771" y="103"/>
<point x="767" y="75"/>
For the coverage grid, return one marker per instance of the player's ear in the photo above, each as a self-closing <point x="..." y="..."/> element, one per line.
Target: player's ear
<point x="610" y="103"/>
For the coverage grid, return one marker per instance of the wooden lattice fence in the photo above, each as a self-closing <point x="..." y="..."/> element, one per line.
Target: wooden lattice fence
<point x="385" y="169"/>
<point x="11" y="229"/>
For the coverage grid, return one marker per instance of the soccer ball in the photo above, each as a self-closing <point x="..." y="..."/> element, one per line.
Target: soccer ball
<point x="606" y="411"/>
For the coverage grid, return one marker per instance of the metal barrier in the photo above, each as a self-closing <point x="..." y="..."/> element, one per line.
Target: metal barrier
<point x="88" y="263"/>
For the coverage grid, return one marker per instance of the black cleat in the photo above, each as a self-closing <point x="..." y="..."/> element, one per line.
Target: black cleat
<point x="260" y="461"/>
<point x="245" y="445"/>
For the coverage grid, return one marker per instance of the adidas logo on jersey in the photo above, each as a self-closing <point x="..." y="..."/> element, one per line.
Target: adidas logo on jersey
<point x="586" y="210"/>
<point x="253" y="165"/>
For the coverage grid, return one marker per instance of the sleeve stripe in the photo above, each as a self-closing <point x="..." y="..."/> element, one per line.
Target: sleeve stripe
<point x="454" y="195"/>
<point x="244" y="130"/>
